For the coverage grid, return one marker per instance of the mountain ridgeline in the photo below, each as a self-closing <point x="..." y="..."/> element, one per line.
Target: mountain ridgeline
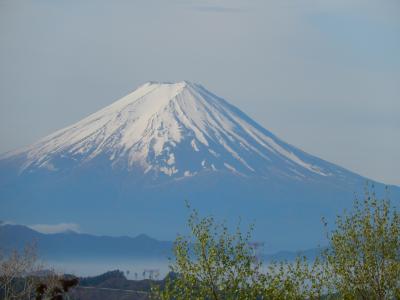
<point x="70" y="246"/>
<point x="128" y="169"/>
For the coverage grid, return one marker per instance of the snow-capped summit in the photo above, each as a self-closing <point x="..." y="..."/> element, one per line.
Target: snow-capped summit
<point x="174" y="129"/>
<point x="128" y="168"/>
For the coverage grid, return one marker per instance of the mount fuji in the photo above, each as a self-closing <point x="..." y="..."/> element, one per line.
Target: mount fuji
<point x="128" y="168"/>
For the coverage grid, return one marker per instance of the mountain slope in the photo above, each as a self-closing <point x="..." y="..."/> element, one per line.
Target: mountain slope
<point x="177" y="130"/>
<point x="128" y="168"/>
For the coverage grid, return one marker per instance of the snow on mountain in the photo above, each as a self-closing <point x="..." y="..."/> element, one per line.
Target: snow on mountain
<point x="128" y="168"/>
<point x="174" y="129"/>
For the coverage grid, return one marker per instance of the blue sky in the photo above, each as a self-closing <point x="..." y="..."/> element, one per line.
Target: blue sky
<point x="322" y="75"/>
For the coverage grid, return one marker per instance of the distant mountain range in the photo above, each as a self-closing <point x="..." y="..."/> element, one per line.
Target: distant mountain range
<point x="128" y="168"/>
<point x="73" y="245"/>
<point x="70" y="245"/>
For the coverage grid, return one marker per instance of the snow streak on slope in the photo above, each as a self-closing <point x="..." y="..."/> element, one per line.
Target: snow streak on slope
<point x="173" y="129"/>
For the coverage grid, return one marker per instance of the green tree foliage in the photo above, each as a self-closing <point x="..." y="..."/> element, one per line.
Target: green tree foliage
<point x="294" y="280"/>
<point x="363" y="261"/>
<point x="213" y="264"/>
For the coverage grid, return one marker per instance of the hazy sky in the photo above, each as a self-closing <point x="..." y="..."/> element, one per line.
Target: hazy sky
<point x="323" y="75"/>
